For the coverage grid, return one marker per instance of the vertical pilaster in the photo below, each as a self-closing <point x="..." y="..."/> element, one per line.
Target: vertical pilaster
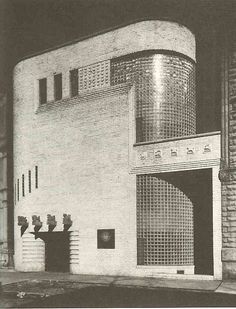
<point x="228" y="163"/>
<point x="217" y="239"/>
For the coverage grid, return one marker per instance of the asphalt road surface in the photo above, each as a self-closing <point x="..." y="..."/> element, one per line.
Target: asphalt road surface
<point x="103" y="296"/>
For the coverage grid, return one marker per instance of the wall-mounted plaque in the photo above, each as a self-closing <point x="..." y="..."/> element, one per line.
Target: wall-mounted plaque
<point x="106" y="239"/>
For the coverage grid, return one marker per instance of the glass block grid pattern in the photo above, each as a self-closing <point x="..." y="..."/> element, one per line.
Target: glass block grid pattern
<point x="165" y="233"/>
<point x="165" y="93"/>
<point x="94" y="76"/>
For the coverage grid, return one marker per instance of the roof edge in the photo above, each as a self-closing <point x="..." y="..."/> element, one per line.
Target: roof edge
<point x="94" y="34"/>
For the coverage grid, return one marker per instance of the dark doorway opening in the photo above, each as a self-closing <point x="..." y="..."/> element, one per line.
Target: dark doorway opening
<point x="197" y="185"/>
<point x="203" y="222"/>
<point x="57" y="250"/>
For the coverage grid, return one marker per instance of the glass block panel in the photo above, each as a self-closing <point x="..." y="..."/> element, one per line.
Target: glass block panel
<point x="165" y="233"/>
<point x="165" y="93"/>
<point x="94" y="76"/>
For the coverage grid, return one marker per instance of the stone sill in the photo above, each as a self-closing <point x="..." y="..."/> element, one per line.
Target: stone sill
<point x="85" y="95"/>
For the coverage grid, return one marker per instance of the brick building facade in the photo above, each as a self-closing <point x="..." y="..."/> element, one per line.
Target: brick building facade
<point x="111" y="172"/>
<point x="227" y="173"/>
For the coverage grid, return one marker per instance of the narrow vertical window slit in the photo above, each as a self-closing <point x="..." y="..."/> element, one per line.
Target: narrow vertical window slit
<point x="23" y="185"/>
<point x="36" y="177"/>
<point x="29" y="180"/>
<point x="58" y="86"/>
<point x="43" y="91"/>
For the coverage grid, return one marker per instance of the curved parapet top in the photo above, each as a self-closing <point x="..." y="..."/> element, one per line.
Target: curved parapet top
<point x="139" y="36"/>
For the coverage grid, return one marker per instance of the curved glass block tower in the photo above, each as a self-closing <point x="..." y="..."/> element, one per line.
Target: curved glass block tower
<point x="165" y="223"/>
<point x="165" y="108"/>
<point x="165" y="93"/>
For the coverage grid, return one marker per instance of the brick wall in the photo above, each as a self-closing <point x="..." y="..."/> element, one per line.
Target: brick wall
<point x="83" y="171"/>
<point x="229" y="183"/>
<point x="81" y="147"/>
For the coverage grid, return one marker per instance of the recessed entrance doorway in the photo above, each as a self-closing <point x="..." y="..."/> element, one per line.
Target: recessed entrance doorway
<point x="175" y="220"/>
<point x="57" y="251"/>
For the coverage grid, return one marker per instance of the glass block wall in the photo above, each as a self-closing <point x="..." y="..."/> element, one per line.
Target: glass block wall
<point x="94" y="76"/>
<point x="165" y="93"/>
<point x="165" y="108"/>
<point x="164" y="223"/>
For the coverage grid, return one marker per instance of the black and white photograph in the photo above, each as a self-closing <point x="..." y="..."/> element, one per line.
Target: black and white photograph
<point x="117" y="153"/>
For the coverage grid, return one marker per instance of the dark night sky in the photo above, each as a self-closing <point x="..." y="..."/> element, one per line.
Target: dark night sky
<point x="33" y="25"/>
<point x="28" y="26"/>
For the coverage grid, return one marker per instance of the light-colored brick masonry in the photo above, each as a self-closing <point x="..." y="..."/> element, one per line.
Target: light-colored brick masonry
<point x="81" y="146"/>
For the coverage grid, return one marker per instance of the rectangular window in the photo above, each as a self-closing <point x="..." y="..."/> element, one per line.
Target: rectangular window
<point x="29" y="179"/>
<point x="23" y="185"/>
<point x="74" y="82"/>
<point x="36" y="177"/>
<point x="58" y="86"/>
<point x="43" y="91"/>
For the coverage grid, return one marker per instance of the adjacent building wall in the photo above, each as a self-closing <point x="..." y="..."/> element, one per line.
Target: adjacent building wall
<point x="3" y="184"/>
<point x="228" y="168"/>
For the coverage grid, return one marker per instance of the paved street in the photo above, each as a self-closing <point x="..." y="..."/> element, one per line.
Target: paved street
<point x="135" y="297"/>
<point x="46" y="290"/>
<point x="109" y="296"/>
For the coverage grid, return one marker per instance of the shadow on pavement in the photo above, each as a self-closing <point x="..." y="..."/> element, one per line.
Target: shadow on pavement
<point x="101" y="296"/>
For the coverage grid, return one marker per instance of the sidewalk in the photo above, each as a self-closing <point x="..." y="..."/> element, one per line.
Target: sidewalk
<point x="12" y="280"/>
